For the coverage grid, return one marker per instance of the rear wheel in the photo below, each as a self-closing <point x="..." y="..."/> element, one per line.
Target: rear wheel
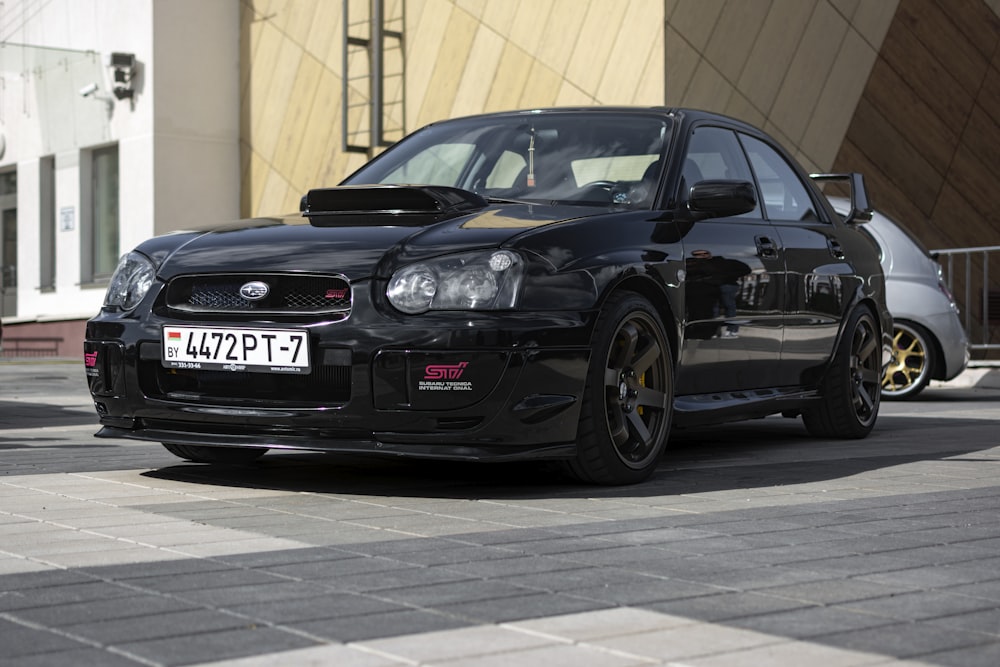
<point x="852" y="387"/>
<point x="628" y="400"/>
<point x="913" y="358"/>
<point x="222" y="455"/>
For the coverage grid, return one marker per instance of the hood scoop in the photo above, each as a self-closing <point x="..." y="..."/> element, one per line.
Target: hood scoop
<point x="378" y="205"/>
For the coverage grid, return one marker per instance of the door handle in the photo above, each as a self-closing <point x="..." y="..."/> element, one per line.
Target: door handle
<point x="766" y="247"/>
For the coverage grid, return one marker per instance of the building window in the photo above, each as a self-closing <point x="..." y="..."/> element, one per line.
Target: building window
<point x="100" y="203"/>
<point x="47" y="224"/>
<point x="8" y="243"/>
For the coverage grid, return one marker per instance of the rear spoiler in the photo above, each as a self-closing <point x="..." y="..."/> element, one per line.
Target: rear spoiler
<point x="387" y="204"/>
<point x="861" y="210"/>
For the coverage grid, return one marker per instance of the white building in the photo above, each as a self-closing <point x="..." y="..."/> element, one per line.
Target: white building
<point x="96" y="158"/>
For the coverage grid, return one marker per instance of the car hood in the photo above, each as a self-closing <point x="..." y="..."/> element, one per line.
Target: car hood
<point x="356" y="248"/>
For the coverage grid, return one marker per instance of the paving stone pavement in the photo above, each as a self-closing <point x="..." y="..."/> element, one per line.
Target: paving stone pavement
<point x="752" y="545"/>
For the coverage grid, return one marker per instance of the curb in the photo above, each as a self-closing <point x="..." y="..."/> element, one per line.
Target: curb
<point x="978" y="377"/>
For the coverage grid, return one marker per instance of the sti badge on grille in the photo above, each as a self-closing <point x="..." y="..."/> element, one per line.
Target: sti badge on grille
<point x="254" y="290"/>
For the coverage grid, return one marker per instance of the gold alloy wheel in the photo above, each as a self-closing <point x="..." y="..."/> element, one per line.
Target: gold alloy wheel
<point x="909" y="371"/>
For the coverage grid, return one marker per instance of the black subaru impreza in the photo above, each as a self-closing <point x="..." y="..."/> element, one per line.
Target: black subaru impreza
<point x="557" y="284"/>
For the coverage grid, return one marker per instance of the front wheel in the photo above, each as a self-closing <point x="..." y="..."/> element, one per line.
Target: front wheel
<point x="220" y="455"/>
<point x="852" y="387"/>
<point x="913" y="358"/>
<point x="628" y="399"/>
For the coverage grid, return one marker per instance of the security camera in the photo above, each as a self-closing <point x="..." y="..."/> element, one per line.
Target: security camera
<point x="88" y="90"/>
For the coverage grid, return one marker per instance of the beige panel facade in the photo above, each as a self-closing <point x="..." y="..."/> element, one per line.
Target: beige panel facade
<point x="794" y="67"/>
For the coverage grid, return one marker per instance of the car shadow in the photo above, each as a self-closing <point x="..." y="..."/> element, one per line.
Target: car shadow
<point x="745" y="455"/>
<point x="24" y="414"/>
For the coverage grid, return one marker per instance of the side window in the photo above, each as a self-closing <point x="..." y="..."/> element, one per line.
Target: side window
<point x="715" y="153"/>
<point x="785" y="197"/>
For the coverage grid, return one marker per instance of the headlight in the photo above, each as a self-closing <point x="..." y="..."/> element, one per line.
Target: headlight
<point x="487" y="280"/>
<point x="130" y="281"/>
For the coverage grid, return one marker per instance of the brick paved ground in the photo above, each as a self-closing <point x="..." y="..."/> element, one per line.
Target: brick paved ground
<point x="752" y="545"/>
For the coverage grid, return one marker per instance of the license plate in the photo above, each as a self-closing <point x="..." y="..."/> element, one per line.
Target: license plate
<point x="251" y="350"/>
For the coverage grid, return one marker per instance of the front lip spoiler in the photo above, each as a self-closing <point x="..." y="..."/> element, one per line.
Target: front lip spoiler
<point x="375" y="445"/>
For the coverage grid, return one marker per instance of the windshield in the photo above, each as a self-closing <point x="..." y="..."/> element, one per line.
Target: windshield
<point x="597" y="158"/>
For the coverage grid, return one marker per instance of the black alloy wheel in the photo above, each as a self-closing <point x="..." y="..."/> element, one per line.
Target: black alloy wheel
<point x="852" y="388"/>
<point x="628" y="400"/>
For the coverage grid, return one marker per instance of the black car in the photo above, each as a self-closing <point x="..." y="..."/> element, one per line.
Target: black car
<point x="549" y="284"/>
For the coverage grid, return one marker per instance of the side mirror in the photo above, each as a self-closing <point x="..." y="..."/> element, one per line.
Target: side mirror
<point x="720" y="199"/>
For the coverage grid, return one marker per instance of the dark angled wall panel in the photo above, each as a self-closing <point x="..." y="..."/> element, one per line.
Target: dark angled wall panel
<point x="926" y="131"/>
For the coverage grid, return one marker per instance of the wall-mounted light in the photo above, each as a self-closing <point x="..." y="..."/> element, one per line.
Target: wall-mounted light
<point x="123" y="74"/>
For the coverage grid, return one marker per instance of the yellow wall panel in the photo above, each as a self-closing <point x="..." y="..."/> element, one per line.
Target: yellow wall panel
<point x="808" y="71"/>
<point x="637" y="36"/>
<point x="650" y="89"/>
<point x="571" y="96"/>
<point x="774" y="50"/>
<point x="511" y="75"/>
<point x="789" y="64"/>
<point x="254" y="189"/>
<point x="500" y="15"/>
<point x="320" y="133"/>
<point x="591" y="49"/>
<point x="540" y="88"/>
<point x="448" y="67"/>
<point x="709" y="89"/>
<point x="734" y="36"/>
<point x="843" y="88"/>
<point x="740" y="107"/>
<point x="264" y="44"/>
<point x="561" y="33"/>
<point x="846" y="7"/>
<point x="531" y="27"/>
<point x="297" y="110"/>
<point x="872" y="19"/>
<point x="273" y="98"/>
<point x="695" y="20"/>
<point x="475" y="8"/>
<point x="429" y="19"/>
<point x="482" y="73"/>
<point x="248" y="40"/>
<point x="298" y="18"/>
<point x="323" y="40"/>
<point x="682" y="61"/>
<point x="274" y="195"/>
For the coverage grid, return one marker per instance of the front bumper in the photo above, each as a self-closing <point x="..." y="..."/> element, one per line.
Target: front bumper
<point x="506" y="387"/>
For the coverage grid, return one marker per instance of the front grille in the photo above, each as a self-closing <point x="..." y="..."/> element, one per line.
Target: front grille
<point x="287" y="294"/>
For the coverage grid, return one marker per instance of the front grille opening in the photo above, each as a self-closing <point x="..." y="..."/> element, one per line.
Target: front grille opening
<point x="285" y="294"/>
<point x="324" y="386"/>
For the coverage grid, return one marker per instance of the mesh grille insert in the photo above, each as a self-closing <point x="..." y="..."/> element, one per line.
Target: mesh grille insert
<point x="285" y="293"/>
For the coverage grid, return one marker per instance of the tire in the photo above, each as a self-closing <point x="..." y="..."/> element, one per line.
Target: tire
<point x="628" y="399"/>
<point x="913" y="360"/>
<point x="219" y="455"/>
<point x="852" y="387"/>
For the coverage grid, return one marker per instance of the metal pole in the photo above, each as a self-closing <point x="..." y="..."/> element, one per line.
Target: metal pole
<point x="375" y="47"/>
<point x="986" y="300"/>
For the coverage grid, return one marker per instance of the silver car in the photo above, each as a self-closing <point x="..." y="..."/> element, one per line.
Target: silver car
<point x="930" y="342"/>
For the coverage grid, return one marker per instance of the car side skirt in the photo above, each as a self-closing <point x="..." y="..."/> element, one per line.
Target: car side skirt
<point x="707" y="409"/>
